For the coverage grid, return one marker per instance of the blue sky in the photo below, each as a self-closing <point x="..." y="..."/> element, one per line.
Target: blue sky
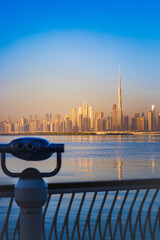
<point x="56" y="54"/>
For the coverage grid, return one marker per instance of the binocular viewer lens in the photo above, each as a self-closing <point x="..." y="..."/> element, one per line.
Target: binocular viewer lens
<point x="30" y="146"/>
<point x="20" y="146"/>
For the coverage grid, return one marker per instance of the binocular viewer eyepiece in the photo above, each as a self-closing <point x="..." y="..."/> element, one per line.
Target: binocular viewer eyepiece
<point x="31" y="149"/>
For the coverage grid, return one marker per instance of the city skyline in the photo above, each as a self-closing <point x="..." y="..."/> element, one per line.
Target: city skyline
<point x="84" y="119"/>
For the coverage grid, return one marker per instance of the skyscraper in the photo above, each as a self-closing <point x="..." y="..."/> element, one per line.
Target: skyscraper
<point x="57" y="123"/>
<point x="68" y="124"/>
<point x="108" y="123"/>
<point x="150" y="121"/>
<point x="154" y="117"/>
<point x="158" y="122"/>
<point x="73" y="117"/>
<point x="114" y="117"/>
<point x="85" y="110"/>
<point x="100" y="121"/>
<point x="80" y="119"/>
<point x="85" y="117"/>
<point x="119" y="105"/>
<point x="140" y="124"/>
<point x="137" y="115"/>
<point x="126" y="122"/>
<point x="91" y="118"/>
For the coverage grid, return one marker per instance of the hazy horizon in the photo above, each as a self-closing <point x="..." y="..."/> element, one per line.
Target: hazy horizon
<point x="55" y="56"/>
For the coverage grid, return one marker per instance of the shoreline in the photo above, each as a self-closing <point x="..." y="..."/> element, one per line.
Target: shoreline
<point x="106" y="133"/>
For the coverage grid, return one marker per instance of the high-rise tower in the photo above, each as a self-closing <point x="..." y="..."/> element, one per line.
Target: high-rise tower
<point x="85" y="110"/>
<point x="119" y="105"/>
<point x="114" y="117"/>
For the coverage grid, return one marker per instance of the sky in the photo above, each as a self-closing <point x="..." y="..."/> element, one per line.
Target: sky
<point x="55" y="55"/>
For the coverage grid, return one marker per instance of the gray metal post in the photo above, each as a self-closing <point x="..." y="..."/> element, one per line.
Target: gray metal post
<point x="31" y="194"/>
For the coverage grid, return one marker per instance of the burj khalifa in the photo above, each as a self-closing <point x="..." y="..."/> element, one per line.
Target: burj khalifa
<point x="119" y="105"/>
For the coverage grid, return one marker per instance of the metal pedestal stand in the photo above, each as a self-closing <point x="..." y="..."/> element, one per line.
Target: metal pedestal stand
<point x="31" y="190"/>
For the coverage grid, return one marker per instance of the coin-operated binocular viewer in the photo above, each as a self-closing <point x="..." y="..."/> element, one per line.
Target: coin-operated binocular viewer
<point x="31" y="190"/>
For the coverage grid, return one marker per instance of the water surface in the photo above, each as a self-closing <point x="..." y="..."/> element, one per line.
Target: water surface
<point x="90" y="158"/>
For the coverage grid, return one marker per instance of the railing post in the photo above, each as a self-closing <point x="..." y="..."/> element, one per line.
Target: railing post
<point x="31" y="194"/>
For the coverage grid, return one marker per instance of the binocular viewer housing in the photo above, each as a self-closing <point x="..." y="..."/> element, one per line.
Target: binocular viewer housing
<point x="31" y="149"/>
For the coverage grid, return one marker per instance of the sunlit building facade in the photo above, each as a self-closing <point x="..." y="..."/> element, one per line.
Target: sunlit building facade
<point x="91" y="118"/>
<point x="73" y="118"/>
<point x="141" y="124"/>
<point x="126" y="123"/>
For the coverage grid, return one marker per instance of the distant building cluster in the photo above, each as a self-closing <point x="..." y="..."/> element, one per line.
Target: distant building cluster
<point x="86" y="120"/>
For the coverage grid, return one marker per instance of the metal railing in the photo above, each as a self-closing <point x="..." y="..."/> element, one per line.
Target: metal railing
<point x="127" y="209"/>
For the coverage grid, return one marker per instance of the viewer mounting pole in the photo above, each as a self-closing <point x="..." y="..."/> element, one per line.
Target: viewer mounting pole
<point x="31" y="193"/>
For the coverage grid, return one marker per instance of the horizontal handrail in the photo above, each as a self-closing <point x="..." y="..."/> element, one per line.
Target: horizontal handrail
<point x="109" y="185"/>
<point x="89" y="186"/>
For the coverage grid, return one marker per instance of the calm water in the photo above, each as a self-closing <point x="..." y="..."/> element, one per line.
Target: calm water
<point x="88" y="158"/>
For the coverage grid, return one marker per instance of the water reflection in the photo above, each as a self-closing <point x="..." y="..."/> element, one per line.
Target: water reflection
<point x="99" y="138"/>
<point x="85" y="165"/>
<point x="97" y="166"/>
<point x="153" y="165"/>
<point x="119" y="168"/>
